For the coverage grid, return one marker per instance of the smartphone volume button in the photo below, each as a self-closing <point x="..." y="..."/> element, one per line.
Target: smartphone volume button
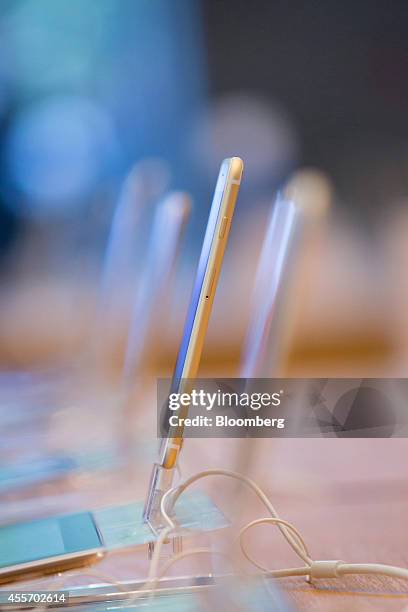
<point x="223" y="227"/>
<point x="210" y="285"/>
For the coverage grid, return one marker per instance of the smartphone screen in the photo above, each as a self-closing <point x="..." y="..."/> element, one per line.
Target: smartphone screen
<point x="51" y="537"/>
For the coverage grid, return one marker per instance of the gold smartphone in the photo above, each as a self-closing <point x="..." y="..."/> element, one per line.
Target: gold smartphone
<point x="209" y="268"/>
<point x="48" y="545"/>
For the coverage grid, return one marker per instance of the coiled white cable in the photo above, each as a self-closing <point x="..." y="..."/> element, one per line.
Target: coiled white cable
<point x="291" y="535"/>
<point x="314" y="569"/>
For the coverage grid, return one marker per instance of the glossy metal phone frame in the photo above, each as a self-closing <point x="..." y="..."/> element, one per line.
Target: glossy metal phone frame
<point x="209" y="268"/>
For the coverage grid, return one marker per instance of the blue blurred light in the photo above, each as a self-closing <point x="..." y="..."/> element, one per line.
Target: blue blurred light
<point x="57" y="151"/>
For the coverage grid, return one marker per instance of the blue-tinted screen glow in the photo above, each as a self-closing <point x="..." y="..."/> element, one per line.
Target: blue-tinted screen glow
<point x="51" y="537"/>
<point x="202" y="266"/>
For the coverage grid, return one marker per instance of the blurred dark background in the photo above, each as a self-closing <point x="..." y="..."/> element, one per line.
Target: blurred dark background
<point x="90" y="91"/>
<point x="327" y="79"/>
<point x="338" y="69"/>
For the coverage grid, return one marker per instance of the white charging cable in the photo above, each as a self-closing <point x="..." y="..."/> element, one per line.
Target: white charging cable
<point x="313" y="569"/>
